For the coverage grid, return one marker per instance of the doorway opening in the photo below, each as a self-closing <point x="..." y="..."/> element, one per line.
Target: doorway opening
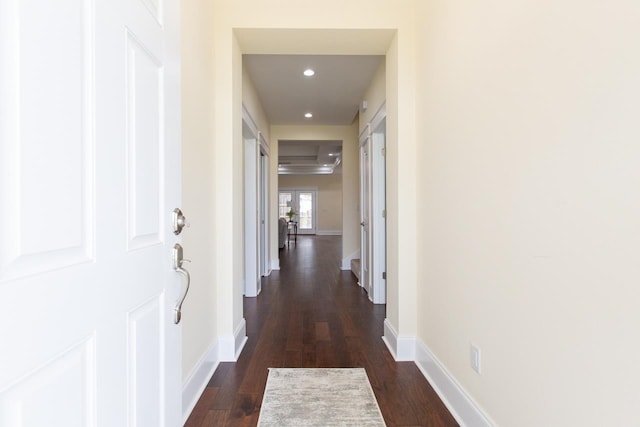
<point x="261" y="43"/>
<point x="256" y="212"/>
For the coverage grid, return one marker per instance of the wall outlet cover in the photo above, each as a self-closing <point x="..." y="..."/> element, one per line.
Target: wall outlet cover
<point x="475" y="358"/>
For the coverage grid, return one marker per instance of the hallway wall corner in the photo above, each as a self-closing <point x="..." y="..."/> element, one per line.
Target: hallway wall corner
<point x="402" y="347"/>
<point x="231" y="345"/>
<point x="461" y="405"/>
<point x="346" y="262"/>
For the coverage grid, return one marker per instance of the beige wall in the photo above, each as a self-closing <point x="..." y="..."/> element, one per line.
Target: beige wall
<point x="375" y="96"/>
<point x="252" y="103"/>
<point x="529" y="143"/>
<point x="349" y="137"/>
<point x="199" y="323"/>
<point x="329" y="198"/>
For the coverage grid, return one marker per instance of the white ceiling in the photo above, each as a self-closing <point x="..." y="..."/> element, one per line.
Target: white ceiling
<point x="332" y="95"/>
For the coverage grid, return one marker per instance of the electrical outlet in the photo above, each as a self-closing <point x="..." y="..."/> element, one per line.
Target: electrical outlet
<point x="475" y="358"/>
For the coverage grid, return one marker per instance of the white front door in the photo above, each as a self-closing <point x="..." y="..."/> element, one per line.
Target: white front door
<point x="90" y="173"/>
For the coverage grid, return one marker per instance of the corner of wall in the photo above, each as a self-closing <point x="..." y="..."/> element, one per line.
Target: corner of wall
<point x="346" y="262"/>
<point x="463" y="408"/>
<point x="402" y="348"/>
<point x="231" y="346"/>
<point x="409" y="348"/>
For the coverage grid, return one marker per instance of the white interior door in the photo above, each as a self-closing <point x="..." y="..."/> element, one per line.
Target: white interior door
<point x="264" y="213"/>
<point x="378" y="214"/>
<point x="251" y="218"/>
<point x="365" y="200"/>
<point x="90" y="153"/>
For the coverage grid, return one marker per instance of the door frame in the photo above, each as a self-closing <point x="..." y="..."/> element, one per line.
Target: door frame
<point x="251" y="185"/>
<point x="378" y="212"/>
<point x="365" y="208"/>
<point x="373" y="234"/>
<point x="263" y="238"/>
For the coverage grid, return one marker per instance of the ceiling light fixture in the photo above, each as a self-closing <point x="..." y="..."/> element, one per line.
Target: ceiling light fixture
<point x="309" y="72"/>
<point x="308" y="115"/>
<point x="330" y="154"/>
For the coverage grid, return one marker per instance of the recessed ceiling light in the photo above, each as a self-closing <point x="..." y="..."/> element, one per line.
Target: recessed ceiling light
<point x="331" y="154"/>
<point x="308" y="115"/>
<point x="309" y="72"/>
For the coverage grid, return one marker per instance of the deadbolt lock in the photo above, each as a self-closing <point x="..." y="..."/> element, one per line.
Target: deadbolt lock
<point x="179" y="221"/>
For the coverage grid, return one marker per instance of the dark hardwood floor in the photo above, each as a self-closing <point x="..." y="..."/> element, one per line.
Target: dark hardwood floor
<point x="312" y="314"/>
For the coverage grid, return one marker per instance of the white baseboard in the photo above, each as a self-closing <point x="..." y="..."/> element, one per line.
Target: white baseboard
<point x="402" y="348"/>
<point x="275" y="264"/>
<point x="231" y="346"/>
<point x="463" y="408"/>
<point x="197" y="380"/>
<point x="329" y="232"/>
<point x="346" y="262"/>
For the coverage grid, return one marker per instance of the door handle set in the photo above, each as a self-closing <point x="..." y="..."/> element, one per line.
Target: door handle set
<point x="178" y="260"/>
<point x="179" y="221"/>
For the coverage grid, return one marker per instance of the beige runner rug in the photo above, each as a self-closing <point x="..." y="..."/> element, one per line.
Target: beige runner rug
<point x="319" y="397"/>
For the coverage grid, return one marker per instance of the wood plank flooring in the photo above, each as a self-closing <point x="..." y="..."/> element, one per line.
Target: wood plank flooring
<point x="312" y="314"/>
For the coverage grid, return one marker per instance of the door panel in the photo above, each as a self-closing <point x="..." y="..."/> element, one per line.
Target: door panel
<point x="89" y="140"/>
<point x="63" y="389"/>
<point x="34" y="242"/>
<point x="143" y="357"/>
<point x="306" y="212"/>
<point x="285" y="203"/>
<point x="144" y="144"/>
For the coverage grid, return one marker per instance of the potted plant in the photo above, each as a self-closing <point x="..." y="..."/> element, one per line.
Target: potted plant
<point x="291" y="214"/>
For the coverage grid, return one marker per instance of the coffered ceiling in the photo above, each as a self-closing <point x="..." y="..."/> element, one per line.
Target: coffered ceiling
<point x="309" y="157"/>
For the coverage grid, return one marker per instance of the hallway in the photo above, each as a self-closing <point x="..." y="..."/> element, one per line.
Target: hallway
<point x="312" y="314"/>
